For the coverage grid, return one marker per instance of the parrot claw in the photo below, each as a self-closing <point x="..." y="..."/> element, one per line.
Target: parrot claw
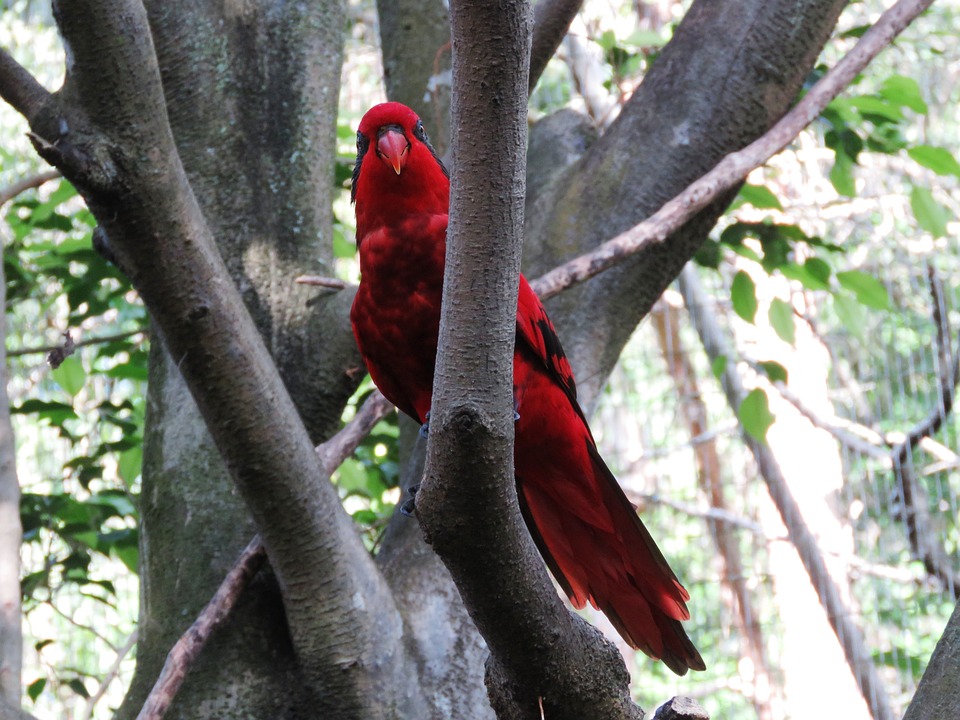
<point x="425" y="428"/>
<point x="409" y="506"/>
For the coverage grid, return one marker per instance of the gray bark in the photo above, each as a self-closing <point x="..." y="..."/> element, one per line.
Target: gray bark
<point x="11" y="636"/>
<point x="938" y="694"/>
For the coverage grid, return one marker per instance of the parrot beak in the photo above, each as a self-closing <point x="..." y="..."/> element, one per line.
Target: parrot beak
<point x="392" y="148"/>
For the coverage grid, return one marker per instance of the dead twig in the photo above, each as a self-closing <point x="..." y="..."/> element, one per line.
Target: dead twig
<point x="321" y="281"/>
<point x="68" y="346"/>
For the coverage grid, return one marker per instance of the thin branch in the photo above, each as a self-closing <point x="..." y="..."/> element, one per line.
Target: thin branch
<point x="713" y="514"/>
<point x="865" y="440"/>
<point x="28" y="183"/>
<point x="320" y="281"/>
<point x="185" y="652"/>
<point x="856" y="437"/>
<point x="111" y="674"/>
<point x="80" y="626"/>
<point x="735" y="166"/>
<point x="551" y="20"/>
<point x="83" y="343"/>
<point x="341" y="446"/>
<point x="19" y="88"/>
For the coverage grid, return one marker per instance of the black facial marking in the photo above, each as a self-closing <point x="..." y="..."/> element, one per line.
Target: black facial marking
<point x="363" y="143"/>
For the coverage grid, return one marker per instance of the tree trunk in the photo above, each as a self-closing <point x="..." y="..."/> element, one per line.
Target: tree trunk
<point x="11" y="637"/>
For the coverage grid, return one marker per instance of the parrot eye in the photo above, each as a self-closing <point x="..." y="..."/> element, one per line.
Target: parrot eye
<point x="420" y="133"/>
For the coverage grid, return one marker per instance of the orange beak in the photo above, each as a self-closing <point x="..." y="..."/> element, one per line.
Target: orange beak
<point x="392" y="148"/>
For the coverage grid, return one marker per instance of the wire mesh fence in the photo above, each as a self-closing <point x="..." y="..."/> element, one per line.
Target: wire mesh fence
<point x="885" y="528"/>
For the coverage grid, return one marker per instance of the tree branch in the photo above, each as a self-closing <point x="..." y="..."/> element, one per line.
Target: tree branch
<point x="848" y="634"/>
<point x="551" y="20"/>
<point x="20" y="352"/>
<point x="666" y="321"/>
<point x="20" y="89"/>
<point x="33" y="181"/>
<point x="467" y="503"/>
<point x="737" y="165"/>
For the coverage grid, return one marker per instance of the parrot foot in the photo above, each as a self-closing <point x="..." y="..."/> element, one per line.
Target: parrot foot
<point x="409" y="506"/>
<point x="425" y="428"/>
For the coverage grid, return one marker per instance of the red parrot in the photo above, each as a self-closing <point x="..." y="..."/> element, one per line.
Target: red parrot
<point x="587" y="531"/>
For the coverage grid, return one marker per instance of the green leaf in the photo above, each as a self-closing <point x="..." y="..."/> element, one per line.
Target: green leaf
<point x="819" y="269"/>
<point x="709" y="254"/>
<point x="938" y="159"/>
<point x="719" y="366"/>
<point x="747" y="252"/>
<point x="743" y="295"/>
<point x="781" y="318"/>
<point x="129" y="555"/>
<point x="755" y="415"/>
<point x="128" y="465"/>
<point x="851" y="314"/>
<point x="841" y="175"/>
<point x="931" y="215"/>
<point x="866" y="287"/>
<point x="760" y="197"/>
<point x="55" y="412"/>
<point x="869" y="105"/>
<point x="646" y="39"/>
<point x="904" y="91"/>
<point x="78" y="687"/>
<point x="607" y="40"/>
<point x="35" y="688"/>
<point x="803" y="275"/>
<point x="774" y="370"/>
<point x="365" y="517"/>
<point x="70" y="375"/>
